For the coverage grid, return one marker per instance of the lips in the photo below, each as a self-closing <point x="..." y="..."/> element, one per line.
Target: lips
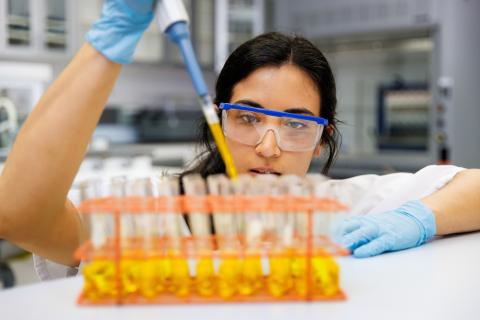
<point x="264" y="171"/>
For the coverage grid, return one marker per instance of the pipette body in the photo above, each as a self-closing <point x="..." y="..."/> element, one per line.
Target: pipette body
<point x="173" y="20"/>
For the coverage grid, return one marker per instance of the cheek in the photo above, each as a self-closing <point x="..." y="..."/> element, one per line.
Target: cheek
<point x="298" y="163"/>
<point x="239" y="153"/>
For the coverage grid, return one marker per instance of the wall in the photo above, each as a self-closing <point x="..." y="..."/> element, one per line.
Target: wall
<point x="148" y="84"/>
<point x="316" y="18"/>
<point x="358" y="74"/>
<point x="459" y="42"/>
<point x="454" y="26"/>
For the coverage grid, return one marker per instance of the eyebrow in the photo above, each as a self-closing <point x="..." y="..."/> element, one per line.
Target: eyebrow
<point x="290" y="110"/>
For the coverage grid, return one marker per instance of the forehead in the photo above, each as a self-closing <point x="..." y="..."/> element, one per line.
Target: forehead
<point x="279" y="88"/>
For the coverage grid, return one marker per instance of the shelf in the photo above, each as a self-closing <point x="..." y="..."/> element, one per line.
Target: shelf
<point x="18" y="20"/>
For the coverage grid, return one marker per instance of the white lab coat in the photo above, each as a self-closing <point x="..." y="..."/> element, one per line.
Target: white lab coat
<point x="362" y="194"/>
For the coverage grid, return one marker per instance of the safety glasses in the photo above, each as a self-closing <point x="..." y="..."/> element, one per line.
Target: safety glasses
<point x="293" y="132"/>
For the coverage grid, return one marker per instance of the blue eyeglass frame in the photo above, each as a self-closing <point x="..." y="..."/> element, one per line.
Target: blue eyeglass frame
<point x="275" y="113"/>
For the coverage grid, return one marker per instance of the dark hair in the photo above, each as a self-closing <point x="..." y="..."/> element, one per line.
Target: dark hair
<point x="273" y="49"/>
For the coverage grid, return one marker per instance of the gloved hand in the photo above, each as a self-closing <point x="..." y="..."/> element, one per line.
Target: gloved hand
<point x="120" y="27"/>
<point x="409" y="226"/>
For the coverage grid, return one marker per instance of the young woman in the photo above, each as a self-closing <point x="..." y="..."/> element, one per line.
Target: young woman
<point x="274" y="84"/>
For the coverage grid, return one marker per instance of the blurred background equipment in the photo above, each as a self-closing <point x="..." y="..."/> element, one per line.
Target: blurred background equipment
<point x="21" y="86"/>
<point x="168" y="125"/>
<point x="8" y="120"/>
<point x="403" y="113"/>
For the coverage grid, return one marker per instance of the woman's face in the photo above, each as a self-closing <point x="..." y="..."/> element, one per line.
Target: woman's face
<point x="277" y="88"/>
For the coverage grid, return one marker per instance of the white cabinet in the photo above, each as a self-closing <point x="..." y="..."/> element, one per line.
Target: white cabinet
<point x="154" y="47"/>
<point x="150" y="48"/>
<point x="48" y="30"/>
<point x="236" y="21"/>
<point x="38" y="29"/>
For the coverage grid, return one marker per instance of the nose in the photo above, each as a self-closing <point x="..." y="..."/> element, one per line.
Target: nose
<point x="268" y="146"/>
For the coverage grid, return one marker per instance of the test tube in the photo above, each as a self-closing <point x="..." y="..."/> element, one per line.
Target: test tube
<point x="175" y="265"/>
<point x="100" y="271"/>
<point x="325" y="226"/>
<point x="195" y="189"/>
<point x="321" y="218"/>
<point x="297" y="190"/>
<point x="145" y="267"/>
<point x="257" y="190"/>
<point x="130" y="253"/>
<point x="221" y="188"/>
<point x="280" y="279"/>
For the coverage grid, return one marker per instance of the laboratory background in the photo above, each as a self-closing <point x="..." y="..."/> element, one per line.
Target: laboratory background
<point x="407" y="72"/>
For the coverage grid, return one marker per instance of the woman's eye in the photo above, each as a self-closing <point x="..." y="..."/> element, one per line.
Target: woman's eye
<point x="248" y="118"/>
<point x="295" y="125"/>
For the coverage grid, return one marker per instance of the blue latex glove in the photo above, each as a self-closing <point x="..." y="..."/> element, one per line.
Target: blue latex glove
<point x="120" y="27"/>
<point x="409" y="226"/>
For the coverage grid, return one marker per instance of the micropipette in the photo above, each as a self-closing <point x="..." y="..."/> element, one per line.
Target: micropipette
<point x="173" y="19"/>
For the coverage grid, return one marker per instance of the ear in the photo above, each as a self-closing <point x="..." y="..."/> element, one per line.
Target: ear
<point x="318" y="150"/>
<point x="329" y="129"/>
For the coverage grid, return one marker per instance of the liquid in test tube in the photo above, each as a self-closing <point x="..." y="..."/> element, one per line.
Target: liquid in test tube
<point x="194" y="186"/>
<point x="100" y="272"/>
<point x="226" y="234"/>
<point x="326" y="271"/>
<point x="251" y="280"/>
<point x="175" y="264"/>
<point x="141" y="192"/>
<point x="280" y="281"/>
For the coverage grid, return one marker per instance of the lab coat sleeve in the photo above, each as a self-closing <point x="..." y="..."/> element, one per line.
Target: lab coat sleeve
<point x="374" y="193"/>
<point x="48" y="270"/>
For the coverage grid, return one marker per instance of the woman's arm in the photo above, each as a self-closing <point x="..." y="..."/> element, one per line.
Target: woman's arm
<point x="452" y="209"/>
<point x="456" y="206"/>
<point x="34" y="212"/>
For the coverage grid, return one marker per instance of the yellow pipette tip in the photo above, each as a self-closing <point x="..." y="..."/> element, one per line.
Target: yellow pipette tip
<point x="211" y="116"/>
<point x="223" y="149"/>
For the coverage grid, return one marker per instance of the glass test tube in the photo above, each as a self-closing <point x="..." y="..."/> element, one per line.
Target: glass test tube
<point x="100" y="271"/>
<point x="280" y="279"/>
<point x="175" y="264"/>
<point x="227" y="238"/>
<point x="325" y="226"/>
<point x="255" y="226"/>
<point x="194" y="186"/>
<point x="129" y="251"/>
<point x="321" y="218"/>
<point x="297" y="188"/>
<point x="147" y="271"/>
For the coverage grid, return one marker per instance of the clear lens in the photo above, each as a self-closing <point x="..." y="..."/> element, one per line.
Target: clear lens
<point x="292" y="134"/>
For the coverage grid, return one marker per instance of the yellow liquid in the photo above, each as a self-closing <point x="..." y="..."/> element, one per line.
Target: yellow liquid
<point x="299" y="275"/>
<point x="177" y="276"/>
<point x="251" y="279"/>
<point x="280" y="279"/>
<point x="99" y="280"/>
<point x="152" y="277"/>
<point x="205" y="277"/>
<point x="217" y="133"/>
<point x="152" y="282"/>
<point x="131" y="276"/>
<point x="325" y="276"/>
<point x="228" y="277"/>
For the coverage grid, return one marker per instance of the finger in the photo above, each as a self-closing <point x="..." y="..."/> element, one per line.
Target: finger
<point x="361" y="236"/>
<point x="375" y="247"/>
<point x="348" y="226"/>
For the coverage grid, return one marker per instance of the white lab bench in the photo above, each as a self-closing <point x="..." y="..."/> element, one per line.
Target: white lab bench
<point x="440" y="280"/>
